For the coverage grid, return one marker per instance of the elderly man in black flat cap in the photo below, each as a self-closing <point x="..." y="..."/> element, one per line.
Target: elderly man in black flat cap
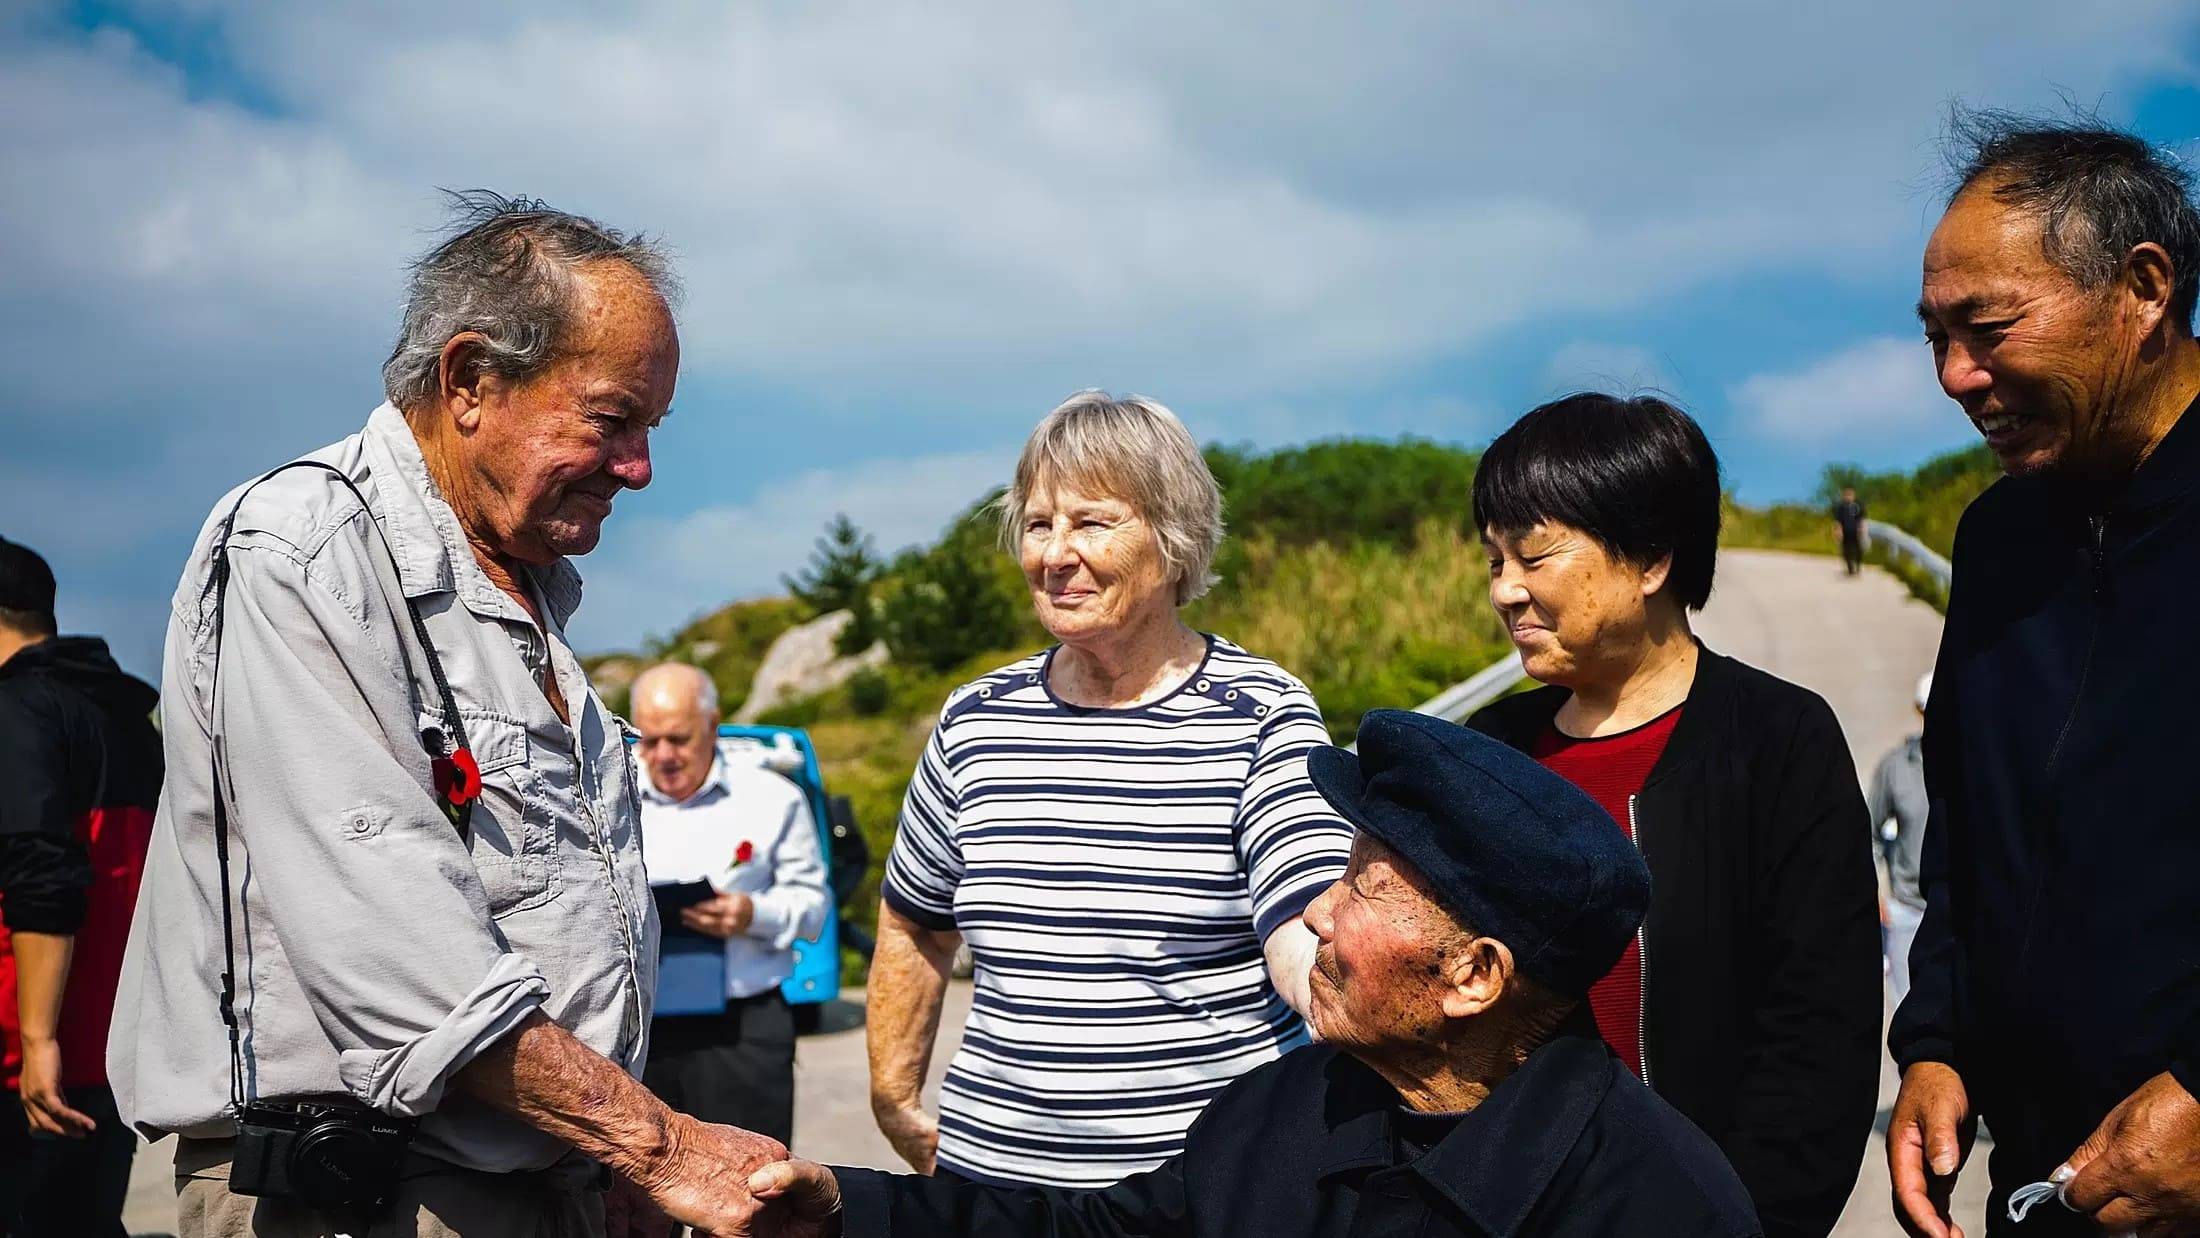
<point x="1458" y="1088"/>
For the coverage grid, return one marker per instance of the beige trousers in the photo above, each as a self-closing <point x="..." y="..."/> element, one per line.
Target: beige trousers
<point x="433" y="1200"/>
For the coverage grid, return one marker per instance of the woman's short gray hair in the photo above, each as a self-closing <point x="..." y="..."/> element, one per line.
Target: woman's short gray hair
<point x="1136" y="450"/>
<point x="509" y="275"/>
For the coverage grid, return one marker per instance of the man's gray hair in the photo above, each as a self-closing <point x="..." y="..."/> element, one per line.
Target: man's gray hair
<point x="2097" y="190"/>
<point x="1135" y="450"/>
<point x="508" y="274"/>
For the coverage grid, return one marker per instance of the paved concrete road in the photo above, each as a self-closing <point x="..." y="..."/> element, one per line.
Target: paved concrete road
<point x="1860" y="642"/>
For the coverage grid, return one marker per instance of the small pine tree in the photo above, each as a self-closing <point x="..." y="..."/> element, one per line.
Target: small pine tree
<point x="947" y="605"/>
<point x="841" y="571"/>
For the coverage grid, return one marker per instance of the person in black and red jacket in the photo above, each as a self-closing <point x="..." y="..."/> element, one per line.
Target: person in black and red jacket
<point x="80" y="771"/>
<point x="1751" y="998"/>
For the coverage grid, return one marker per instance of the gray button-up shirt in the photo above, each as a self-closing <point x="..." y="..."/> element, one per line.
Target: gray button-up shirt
<point x="378" y="951"/>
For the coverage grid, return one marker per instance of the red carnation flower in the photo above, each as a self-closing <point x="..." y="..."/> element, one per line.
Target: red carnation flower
<point x="744" y="853"/>
<point x="458" y="777"/>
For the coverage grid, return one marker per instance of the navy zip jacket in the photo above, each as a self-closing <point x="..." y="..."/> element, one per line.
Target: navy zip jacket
<point x="2058" y="966"/>
<point x="1761" y="988"/>
<point x="1567" y="1146"/>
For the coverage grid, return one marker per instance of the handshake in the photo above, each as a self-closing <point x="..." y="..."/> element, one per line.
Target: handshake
<point x="725" y="1182"/>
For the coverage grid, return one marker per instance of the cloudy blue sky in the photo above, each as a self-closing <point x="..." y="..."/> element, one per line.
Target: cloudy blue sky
<point x="908" y="230"/>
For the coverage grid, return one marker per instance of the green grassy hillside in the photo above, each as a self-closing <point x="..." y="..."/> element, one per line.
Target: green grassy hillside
<point x="1349" y="562"/>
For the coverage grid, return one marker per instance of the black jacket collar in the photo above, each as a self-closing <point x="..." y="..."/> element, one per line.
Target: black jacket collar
<point x="2170" y="470"/>
<point x="1497" y="1162"/>
<point x="1702" y="726"/>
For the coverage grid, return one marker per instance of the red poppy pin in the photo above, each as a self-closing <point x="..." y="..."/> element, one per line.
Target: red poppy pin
<point x="744" y="853"/>
<point x="457" y="781"/>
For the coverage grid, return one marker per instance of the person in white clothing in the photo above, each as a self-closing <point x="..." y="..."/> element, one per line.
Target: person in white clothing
<point x="711" y="813"/>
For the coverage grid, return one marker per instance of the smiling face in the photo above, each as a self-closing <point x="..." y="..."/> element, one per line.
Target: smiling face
<point x="538" y="461"/>
<point x="1094" y="566"/>
<point x="2038" y="362"/>
<point x="1577" y="613"/>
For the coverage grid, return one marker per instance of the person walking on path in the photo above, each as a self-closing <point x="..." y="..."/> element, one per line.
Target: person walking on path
<point x="80" y="771"/>
<point x="1897" y="801"/>
<point x="1751" y="997"/>
<point x="1848" y="525"/>
<point x="2054" y="989"/>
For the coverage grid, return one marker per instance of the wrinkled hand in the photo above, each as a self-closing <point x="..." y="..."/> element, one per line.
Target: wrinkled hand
<point x="724" y="916"/>
<point x="913" y="1133"/>
<point x="696" y="1177"/>
<point x="45" y="1106"/>
<point x="2140" y="1171"/>
<point x="1927" y="1142"/>
<point x="801" y="1199"/>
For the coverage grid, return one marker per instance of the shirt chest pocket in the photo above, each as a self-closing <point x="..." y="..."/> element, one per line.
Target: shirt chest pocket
<point x="512" y="836"/>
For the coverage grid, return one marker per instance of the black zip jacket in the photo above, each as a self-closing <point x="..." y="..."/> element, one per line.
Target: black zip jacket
<point x="1761" y="979"/>
<point x="76" y="733"/>
<point x="1309" y="1146"/>
<point x="2058" y="966"/>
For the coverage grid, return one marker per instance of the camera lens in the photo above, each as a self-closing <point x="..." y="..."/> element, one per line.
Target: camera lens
<point x="336" y="1165"/>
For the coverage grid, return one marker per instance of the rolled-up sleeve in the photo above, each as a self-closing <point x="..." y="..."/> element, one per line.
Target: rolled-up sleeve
<point x="367" y="886"/>
<point x="1292" y="843"/>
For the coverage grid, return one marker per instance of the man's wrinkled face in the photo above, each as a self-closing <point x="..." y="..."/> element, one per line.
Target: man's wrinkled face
<point x="678" y="742"/>
<point x="548" y="454"/>
<point x="1379" y="968"/>
<point x="2037" y="361"/>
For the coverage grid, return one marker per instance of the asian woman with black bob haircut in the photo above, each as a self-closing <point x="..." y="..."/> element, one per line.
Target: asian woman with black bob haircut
<point x="1751" y="998"/>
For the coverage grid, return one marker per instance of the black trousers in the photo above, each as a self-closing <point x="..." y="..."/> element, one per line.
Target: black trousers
<point x="52" y="1187"/>
<point x="1852" y="554"/>
<point x="736" y="1068"/>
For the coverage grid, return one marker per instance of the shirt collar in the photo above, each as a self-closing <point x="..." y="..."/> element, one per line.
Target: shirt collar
<point x="433" y="555"/>
<point x="2170" y="469"/>
<point x="715" y="780"/>
<point x="1496" y="1163"/>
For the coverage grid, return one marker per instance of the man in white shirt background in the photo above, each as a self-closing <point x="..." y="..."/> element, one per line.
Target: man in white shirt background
<point x="713" y="813"/>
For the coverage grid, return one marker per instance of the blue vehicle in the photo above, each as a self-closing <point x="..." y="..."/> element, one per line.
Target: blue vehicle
<point x="787" y="751"/>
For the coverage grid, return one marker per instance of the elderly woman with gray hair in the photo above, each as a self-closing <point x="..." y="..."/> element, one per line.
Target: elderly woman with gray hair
<point x="1120" y="827"/>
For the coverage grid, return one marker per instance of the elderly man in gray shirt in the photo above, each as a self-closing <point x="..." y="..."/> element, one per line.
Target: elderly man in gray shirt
<point x="489" y="971"/>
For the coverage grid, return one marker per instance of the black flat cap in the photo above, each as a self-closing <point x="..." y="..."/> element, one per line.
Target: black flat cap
<point x="1510" y="848"/>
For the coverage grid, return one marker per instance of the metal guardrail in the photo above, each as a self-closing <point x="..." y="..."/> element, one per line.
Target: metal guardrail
<point x="1457" y="702"/>
<point x="1461" y="699"/>
<point x="1903" y="543"/>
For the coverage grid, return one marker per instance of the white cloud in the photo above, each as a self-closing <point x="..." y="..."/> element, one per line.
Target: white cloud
<point x="939" y="209"/>
<point x="653" y="573"/>
<point x="1867" y="394"/>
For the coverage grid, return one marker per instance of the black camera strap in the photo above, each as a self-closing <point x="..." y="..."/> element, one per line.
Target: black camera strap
<point x="452" y="741"/>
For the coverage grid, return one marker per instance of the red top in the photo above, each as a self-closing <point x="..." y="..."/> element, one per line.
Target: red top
<point x="1612" y="769"/>
<point x="114" y="840"/>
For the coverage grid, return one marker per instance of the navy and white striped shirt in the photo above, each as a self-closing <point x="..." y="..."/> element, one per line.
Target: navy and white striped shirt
<point x="1115" y="872"/>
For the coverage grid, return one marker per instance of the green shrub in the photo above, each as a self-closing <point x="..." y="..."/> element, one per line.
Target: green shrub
<point x="940" y="606"/>
<point x="868" y="693"/>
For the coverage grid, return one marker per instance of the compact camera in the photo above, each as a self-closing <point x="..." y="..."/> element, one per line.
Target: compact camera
<point x="338" y="1159"/>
